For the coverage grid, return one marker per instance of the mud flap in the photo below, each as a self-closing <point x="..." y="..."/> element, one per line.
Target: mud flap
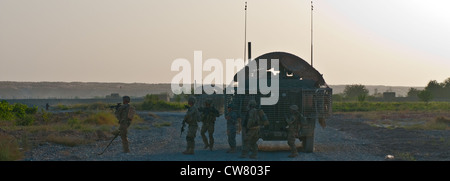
<point x="308" y="144"/>
<point x="307" y="129"/>
<point x="307" y="136"/>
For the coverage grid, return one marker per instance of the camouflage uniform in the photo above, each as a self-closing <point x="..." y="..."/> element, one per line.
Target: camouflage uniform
<point x="293" y="128"/>
<point x="233" y="118"/>
<point x="122" y="115"/>
<point x="255" y="120"/>
<point x="209" y="115"/>
<point x="192" y="117"/>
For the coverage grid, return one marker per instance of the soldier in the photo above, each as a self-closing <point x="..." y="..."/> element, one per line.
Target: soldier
<point x="293" y="126"/>
<point x="256" y="119"/>
<point x="192" y="117"/>
<point x="209" y="115"/>
<point x="124" y="114"/>
<point x="233" y="120"/>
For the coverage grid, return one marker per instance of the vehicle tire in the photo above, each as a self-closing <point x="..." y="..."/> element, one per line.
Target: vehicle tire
<point x="308" y="144"/>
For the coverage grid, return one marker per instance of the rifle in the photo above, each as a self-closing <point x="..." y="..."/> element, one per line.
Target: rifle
<point x="184" y="120"/>
<point x="182" y="127"/>
<point x="116" y="107"/>
<point x="208" y="110"/>
<point x="109" y="144"/>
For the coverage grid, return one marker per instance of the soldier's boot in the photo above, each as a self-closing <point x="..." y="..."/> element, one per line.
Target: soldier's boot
<point x="292" y="155"/>
<point x="211" y="142"/>
<point x="243" y="154"/>
<point x="205" y="141"/>
<point x="186" y="151"/>
<point x="211" y="145"/>
<point x="189" y="150"/>
<point x="232" y="150"/>
<point x="294" y="152"/>
<point x="126" y="148"/>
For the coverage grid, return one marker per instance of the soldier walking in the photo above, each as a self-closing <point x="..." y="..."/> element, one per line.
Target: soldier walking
<point x="209" y="115"/>
<point x="233" y="121"/>
<point x="293" y="127"/>
<point x="192" y="117"/>
<point x="256" y="119"/>
<point x="124" y="114"/>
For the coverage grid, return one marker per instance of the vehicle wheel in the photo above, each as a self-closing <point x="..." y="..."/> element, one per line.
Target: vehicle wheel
<point x="308" y="144"/>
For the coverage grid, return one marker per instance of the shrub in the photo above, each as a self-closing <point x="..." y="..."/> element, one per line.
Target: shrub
<point x="31" y="110"/>
<point x="102" y="118"/>
<point x="6" y="111"/>
<point x="62" y="107"/>
<point x="27" y="120"/>
<point x="74" y="122"/>
<point x="19" y="110"/>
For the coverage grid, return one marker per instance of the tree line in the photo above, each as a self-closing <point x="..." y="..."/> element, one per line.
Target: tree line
<point x="433" y="91"/>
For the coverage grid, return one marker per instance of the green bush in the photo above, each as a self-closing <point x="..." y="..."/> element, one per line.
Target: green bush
<point x="20" y="110"/>
<point x="31" y="110"/>
<point x="17" y="111"/>
<point x="46" y="116"/>
<point x="6" y="111"/>
<point x="152" y="103"/>
<point x="74" y="122"/>
<point x="62" y="107"/>
<point x="27" y="120"/>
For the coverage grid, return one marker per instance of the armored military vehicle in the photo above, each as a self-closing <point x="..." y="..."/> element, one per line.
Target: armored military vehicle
<point x="299" y="84"/>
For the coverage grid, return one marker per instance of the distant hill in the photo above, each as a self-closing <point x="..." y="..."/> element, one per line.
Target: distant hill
<point x="43" y="90"/>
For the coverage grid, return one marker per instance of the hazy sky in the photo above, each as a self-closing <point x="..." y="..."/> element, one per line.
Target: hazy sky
<point x="370" y="42"/>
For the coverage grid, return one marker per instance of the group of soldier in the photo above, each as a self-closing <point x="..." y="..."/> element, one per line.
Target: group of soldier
<point x="250" y="127"/>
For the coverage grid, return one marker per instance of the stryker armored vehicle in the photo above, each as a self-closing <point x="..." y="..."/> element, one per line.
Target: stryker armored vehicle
<point x="299" y="84"/>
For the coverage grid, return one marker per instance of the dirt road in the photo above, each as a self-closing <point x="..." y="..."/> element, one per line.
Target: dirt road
<point x="158" y="139"/>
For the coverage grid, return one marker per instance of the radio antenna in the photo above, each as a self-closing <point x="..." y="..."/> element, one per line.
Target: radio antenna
<point x="312" y="47"/>
<point x="245" y="32"/>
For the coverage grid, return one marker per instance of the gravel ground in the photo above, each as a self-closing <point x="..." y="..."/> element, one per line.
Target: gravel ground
<point x="342" y="140"/>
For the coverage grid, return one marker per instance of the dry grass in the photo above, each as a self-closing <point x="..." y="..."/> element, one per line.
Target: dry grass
<point x="405" y="156"/>
<point x="153" y="115"/>
<point x="102" y="118"/>
<point x="439" y="123"/>
<point x="161" y="124"/>
<point x="68" y="129"/>
<point x="443" y="120"/>
<point x="137" y="119"/>
<point x="9" y="149"/>
<point x="420" y="120"/>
